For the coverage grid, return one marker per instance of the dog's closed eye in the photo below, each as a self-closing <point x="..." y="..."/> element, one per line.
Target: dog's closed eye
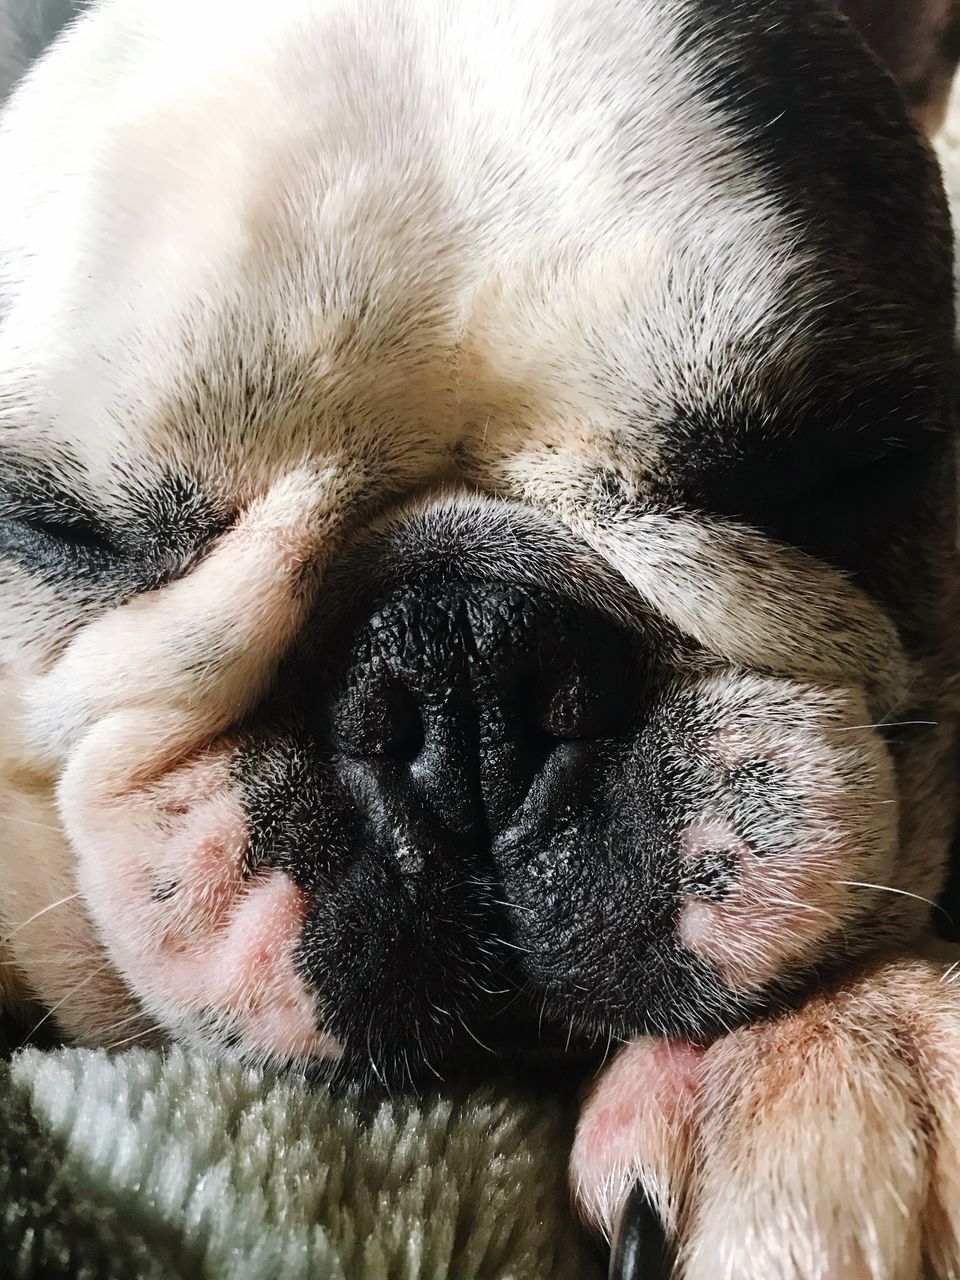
<point x="68" y="531"/>
<point x="50" y="533"/>
<point x="51" y="538"/>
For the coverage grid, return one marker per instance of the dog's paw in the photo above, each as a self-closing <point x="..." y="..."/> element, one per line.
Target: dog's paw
<point x="823" y="1144"/>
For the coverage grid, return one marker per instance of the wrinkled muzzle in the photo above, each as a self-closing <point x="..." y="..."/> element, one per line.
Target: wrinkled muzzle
<point x="477" y="794"/>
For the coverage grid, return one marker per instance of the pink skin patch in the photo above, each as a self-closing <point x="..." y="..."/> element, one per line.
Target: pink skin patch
<point x="199" y="938"/>
<point x="157" y="823"/>
<point x="777" y="909"/>
<point x="637" y="1125"/>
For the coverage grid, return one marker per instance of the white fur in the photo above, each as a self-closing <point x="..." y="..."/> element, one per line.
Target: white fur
<point x="352" y="238"/>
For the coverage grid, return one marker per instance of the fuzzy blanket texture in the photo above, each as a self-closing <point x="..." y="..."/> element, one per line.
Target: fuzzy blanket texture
<point x="143" y="1165"/>
<point x="150" y="1166"/>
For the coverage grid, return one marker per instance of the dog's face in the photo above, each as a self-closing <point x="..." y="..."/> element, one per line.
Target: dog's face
<point x="473" y="493"/>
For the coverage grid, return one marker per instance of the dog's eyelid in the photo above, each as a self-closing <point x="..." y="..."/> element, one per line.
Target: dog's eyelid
<point x="60" y="521"/>
<point x="174" y="563"/>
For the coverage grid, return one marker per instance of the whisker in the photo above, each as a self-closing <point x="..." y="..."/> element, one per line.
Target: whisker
<point x="798" y="904"/>
<point x="888" y="724"/>
<point x="566" y="1047"/>
<point x="609" y="1045"/>
<point x="142" y="1034"/>
<point x="37" y="914"/>
<point x="44" y="953"/>
<point x="510" y="906"/>
<point x="476" y="1039"/>
<point x="904" y="893"/>
<point x="31" y="822"/>
<point x="513" y="946"/>
<point x="123" y="1022"/>
<point x="372" y="1059"/>
<point x="60" y="1003"/>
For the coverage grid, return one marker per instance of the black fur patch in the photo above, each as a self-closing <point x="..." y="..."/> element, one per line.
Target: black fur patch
<point x="838" y="456"/>
<point x="54" y="534"/>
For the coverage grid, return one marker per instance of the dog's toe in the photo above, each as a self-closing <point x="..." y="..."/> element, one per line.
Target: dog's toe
<point x="823" y="1144"/>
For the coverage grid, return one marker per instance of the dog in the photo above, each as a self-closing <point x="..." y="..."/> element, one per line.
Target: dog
<point x="478" y="562"/>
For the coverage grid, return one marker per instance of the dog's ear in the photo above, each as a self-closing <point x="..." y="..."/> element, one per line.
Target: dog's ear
<point x="918" y="41"/>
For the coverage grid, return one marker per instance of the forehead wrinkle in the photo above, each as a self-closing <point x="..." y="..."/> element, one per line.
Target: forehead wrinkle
<point x="754" y="602"/>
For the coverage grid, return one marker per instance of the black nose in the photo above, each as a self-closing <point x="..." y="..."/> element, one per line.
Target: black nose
<point x="456" y="702"/>
<point x="435" y="723"/>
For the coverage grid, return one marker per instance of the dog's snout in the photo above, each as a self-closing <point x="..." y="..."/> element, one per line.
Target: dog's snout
<point x="447" y="713"/>
<point x="460" y="696"/>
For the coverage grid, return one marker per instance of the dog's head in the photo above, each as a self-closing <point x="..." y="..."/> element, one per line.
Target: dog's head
<point x="474" y="495"/>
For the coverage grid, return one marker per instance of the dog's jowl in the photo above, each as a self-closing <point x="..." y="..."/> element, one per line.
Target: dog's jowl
<point x="477" y="563"/>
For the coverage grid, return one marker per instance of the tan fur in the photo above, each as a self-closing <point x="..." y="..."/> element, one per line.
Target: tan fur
<point x="823" y="1143"/>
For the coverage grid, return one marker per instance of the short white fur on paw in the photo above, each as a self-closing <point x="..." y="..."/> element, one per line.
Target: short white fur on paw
<point x="823" y="1144"/>
<point x="639" y="1126"/>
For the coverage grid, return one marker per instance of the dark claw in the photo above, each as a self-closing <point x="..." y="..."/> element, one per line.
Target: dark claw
<point x="640" y="1250"/>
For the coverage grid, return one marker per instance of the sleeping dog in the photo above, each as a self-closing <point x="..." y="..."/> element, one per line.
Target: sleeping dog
<point x="477" y="563"/>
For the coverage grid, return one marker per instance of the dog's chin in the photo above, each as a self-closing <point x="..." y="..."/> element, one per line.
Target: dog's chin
<point x="463" y="1023"/>
<point x="511" y="1025"/>
<point x="535" y="1037"/>
<point x="526" y="1037"/>
<point x="518" y="1038"/>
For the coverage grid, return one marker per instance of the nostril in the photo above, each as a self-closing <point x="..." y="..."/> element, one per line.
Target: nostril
<point x="378" y="719"/>
<point x="571" y="706"/>
<point x="568" y="712"/>
<point x="458" y="681"/>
